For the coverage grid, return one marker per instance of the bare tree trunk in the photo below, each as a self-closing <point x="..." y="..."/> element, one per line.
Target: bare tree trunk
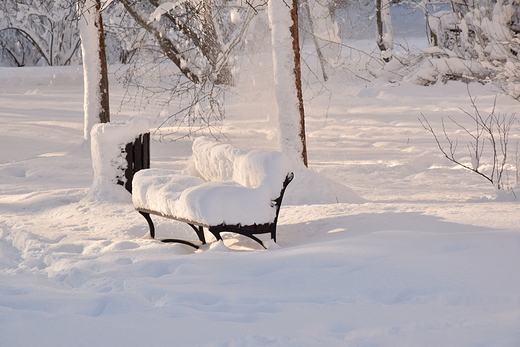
<point x="210" y="45"/>
<point x="104" y="114"/>
<point x="379" y="25"/>
<point x="384" y="29"/>
<point x="96" y="100"/>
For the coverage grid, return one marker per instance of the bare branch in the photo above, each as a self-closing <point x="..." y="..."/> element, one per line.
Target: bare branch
<point x="493" y="129"/>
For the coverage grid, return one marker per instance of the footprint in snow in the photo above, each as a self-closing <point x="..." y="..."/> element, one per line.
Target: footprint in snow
<point x="123" y="245"/>
<point x="69" y="248"/>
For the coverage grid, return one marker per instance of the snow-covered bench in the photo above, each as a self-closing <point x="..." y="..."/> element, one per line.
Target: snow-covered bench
<point x="228" y="190"/>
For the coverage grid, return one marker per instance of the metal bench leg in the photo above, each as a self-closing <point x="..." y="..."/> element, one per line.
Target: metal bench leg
<point x="150" y="223"/>
<point x="215" y="233"/>
<point x="200" y="232"/>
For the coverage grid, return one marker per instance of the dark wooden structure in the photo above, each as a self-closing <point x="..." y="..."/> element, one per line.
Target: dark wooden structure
<point x="137" y="158"/>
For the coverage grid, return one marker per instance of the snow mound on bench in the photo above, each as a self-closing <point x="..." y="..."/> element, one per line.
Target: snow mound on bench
<point x="226" y="202"/>
<point x="215" y="161"/>
<point x="159" y="189"/>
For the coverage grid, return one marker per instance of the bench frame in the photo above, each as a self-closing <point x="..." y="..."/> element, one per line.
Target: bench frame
<point x="138" y="158"/>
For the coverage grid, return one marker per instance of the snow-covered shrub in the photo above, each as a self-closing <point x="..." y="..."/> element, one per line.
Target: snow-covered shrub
<point x="432" y="65"/>
<point x="477" y="40"/>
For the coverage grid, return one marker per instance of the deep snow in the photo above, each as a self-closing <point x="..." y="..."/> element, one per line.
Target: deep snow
<point x="430" y="259"/>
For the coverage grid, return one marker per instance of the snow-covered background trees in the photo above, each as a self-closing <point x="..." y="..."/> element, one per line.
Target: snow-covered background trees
<point x="471" y="40"/>
<point x="191" y="56"/>
<point x="38" y="32"/>
<point x="202" y="37"/>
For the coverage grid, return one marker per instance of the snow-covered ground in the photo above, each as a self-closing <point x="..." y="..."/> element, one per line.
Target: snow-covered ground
<point x="430" y="259"/>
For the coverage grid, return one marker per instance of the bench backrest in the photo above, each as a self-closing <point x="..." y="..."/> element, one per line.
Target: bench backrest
<point x="137" y="156"/>
<point x="215" y="161"/>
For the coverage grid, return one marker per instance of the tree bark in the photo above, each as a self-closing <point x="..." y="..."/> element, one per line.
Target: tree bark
<point x="298" y="77"/>
<point x="104" y="113"/>
<point x="207" y="41"/>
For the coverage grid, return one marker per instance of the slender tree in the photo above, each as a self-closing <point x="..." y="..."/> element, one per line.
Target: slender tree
<point x="283" y="19"/>
<point x="385" y="40"/>
<point x="96" y="103"/>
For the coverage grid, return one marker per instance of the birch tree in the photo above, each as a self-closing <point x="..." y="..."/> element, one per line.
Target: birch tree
<point x="283" y="20"/>
<point x="95" y="71"/>
<point x="197" y="36"/>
